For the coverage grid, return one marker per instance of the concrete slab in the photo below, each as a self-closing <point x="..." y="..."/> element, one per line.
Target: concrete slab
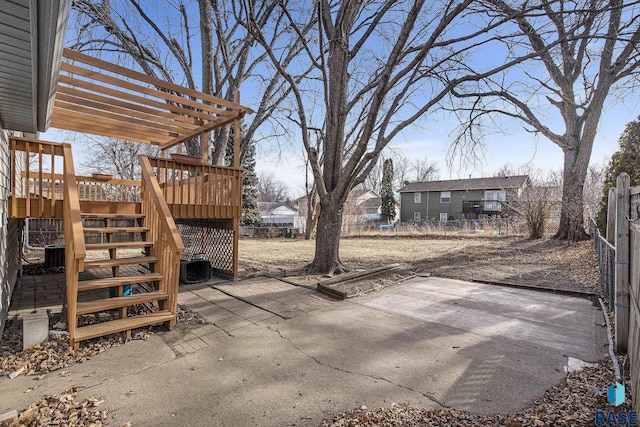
<point x="35" y="329"/>
<point x="428" y="342"/>
<point x="461" y="344"/>
<point x="275" y="296"/>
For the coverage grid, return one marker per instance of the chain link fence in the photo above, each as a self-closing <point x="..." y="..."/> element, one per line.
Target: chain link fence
<point x="606" y="254"/>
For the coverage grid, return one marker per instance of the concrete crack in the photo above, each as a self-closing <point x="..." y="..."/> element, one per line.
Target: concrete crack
<point x="375" y="377"/>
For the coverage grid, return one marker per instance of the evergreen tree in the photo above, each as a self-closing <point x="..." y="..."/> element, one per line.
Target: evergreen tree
<point x="626" y="159"/>
<point x="386" y="193"/>
<point x="250" y="211"/>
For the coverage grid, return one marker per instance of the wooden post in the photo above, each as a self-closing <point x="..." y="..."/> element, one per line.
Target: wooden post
<point x="236" y="237"/>
<point x="611" y="217"/>
<point x="621" y="308"/>
<point x="236" y="135"/>
<point x="204" y="142"/>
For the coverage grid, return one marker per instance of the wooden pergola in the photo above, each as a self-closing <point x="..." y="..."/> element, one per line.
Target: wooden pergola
<point x="97" y="97"/>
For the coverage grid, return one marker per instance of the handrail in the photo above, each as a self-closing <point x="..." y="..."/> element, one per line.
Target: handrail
<point x="156" y="161"/>
<point x="75" y="250"/>
<point x="165" y="217"/>
<point x="72" y="206"/>
<point x="163" y="233"/>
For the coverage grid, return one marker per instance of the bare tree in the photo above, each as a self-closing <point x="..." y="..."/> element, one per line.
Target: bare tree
<point x="564" y="59"/>
<point x="370" y="61"/>
<point x="162" y="43"/>
<point x="534" y="204"/>
<point x="271" y="189"/>
<point x="424" y="170"/>
<point x="593" y="186"/>
<point x="115" y="157"/>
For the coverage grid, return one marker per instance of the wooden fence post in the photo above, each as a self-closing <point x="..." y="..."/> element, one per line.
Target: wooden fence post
<point x="611" y="217"/>
<point x="621" y="308"/>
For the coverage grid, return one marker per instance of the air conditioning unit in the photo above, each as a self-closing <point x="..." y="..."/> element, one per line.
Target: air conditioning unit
<point x="54" y="256"/>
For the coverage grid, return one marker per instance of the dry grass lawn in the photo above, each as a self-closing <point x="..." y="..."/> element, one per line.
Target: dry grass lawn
<point x="537" y="263"/>
<point x="354" y="252"/>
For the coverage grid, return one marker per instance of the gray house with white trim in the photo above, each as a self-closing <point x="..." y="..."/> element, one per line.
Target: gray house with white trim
<point x="457" y="199"/>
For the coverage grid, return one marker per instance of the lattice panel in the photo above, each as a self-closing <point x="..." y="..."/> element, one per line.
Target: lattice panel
<point x="213" y="238"/>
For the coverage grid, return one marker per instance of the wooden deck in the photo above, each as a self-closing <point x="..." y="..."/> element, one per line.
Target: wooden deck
<point x="44" y="185"/>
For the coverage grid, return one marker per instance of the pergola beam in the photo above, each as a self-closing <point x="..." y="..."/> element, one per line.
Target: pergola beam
<point x="221" y="121"/>
<point x="99" y="63"/>
<point x="97" y="97"/>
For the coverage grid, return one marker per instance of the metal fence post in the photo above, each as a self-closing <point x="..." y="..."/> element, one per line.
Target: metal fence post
<point x="622" y="263"/>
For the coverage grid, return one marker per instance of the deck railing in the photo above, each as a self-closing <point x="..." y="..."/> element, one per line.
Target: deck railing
<point x="90" y="189"/>
<point x="482" y="206"/>
<point x="75" y="250"/>
<point x="36" y="188"/>
<point x="38" y="180"/>
<point x="93" y="189"/>
<point x="199" y="191"/>
<point x="167" y="244"/>
<point x="191" y="191"/>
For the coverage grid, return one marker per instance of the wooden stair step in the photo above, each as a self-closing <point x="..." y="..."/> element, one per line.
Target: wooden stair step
<point x="110" y="215"/>
<point x="108" y="230"/>
<point x="98" y="246"/>
<point x="119" y="325"/>
<point x="101" y="263"/>
<point x="117" y="302"/>
<point x="88" y="285"/>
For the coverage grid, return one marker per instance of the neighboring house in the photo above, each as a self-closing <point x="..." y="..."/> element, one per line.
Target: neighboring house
<point x="280" y="214"/>
<point x="362" y="207"/>
<point x="460" y="198"/>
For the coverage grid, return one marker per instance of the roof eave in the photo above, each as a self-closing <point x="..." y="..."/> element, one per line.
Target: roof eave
<point x="52" y="17"/>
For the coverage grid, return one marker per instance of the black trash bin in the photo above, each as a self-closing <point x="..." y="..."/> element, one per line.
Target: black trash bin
<point x="195" y="271"/>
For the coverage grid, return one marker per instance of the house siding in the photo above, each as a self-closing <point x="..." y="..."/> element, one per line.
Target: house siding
<point x="430" y="206"/>
<point x="10" y="235"/>
<point x="408" y="207"/>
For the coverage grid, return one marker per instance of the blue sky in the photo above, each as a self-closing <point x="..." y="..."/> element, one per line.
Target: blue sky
<point x="517" y="148"/>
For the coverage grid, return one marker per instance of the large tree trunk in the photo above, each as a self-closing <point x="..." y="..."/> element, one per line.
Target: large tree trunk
<point x="572" y="213"/>
<point x="327" y="257"/>
<point x="313" y="209"/>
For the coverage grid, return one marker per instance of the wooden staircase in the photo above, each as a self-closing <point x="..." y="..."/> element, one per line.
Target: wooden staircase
<point x="126" y="260"/>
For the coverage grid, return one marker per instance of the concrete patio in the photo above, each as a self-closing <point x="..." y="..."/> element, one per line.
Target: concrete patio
<point x="276" y="354"/>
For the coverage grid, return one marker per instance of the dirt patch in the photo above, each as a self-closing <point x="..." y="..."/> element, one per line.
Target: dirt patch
<point x="543" y="263"/>
<point x="546" y="263"/>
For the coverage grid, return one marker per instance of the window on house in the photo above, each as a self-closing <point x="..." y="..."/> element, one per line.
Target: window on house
<point x="445" y="196"/>
<point x="416" y="216"/>
<point x="417" y="197"/>
<point x="443" y="217"/>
